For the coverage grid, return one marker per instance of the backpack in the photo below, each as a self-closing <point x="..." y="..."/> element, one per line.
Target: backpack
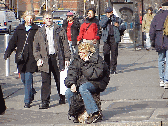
<point x="77" y="105"/>
<point x="165" y="31"/>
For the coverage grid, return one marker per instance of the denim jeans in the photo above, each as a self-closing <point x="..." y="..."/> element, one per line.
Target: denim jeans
<point x="163" y="68"/>
<point x="27" y="79"/>
<point x="148" y="44"/>
<point x="73" y="49"/>
<point x="85" y="90"/>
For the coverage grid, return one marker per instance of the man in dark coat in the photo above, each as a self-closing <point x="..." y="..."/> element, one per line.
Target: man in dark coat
<point x="111" y="37"/>
<point x="71" y="26"/>
<point x="50" y="41"/>
<point x="159" y="40"/>
<point x="22" y="39"/>
<point x="88" y="73"/>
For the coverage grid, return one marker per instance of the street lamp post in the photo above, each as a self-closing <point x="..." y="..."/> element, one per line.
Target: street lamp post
<point x="142" y="32"/>
<point x="46" y="5"/>
<point x="17" y="9"/>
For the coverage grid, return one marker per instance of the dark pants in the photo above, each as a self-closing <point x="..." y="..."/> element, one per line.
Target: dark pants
<point x="112" y="46"/>
<point x="46" y="79"/>
<point x="2" y="102"/>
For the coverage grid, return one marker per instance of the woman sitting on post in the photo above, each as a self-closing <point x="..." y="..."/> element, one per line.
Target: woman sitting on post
<point x="87" y="74"/>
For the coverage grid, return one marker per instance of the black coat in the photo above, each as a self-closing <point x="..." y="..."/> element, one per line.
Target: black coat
<point x="74" y="30"/>
<point x="95" y="71"/>
<point x="17" y="41"/>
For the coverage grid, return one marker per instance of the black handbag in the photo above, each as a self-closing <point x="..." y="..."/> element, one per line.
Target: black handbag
<point x="19" y="56"/>
<point x="77" y="105"/>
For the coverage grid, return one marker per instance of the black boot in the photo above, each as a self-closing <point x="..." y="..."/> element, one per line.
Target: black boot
<point x="44" y="105"/>
<point x="62" y="99"/>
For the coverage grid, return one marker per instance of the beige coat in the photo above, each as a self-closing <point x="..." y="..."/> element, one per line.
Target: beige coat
<point x="41" y="49"/>
<point x="147" y="19"/>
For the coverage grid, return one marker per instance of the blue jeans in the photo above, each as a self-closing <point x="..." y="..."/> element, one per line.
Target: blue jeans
<point x="85" y="90"/>
<point x="27" y="79"/>
<point x="73" y="49"/>
<point x="163" y="68"/>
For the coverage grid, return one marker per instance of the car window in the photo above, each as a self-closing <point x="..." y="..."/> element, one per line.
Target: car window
<point x="39" y="18"/>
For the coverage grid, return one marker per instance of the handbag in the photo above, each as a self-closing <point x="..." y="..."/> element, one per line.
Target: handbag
<point x="63" y="75"/>
<point x="19" y="56"/>
<point x="77" y="105"/>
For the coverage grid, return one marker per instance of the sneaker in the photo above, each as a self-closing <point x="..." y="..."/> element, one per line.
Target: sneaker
<point x="161" y="83"/>
<point x="27" y="105"/>
<point x="166" y="85"/>
<point x="91" y="119"/>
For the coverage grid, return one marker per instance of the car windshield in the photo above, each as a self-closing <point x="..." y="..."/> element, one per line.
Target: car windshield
<point x="61" y="14"/>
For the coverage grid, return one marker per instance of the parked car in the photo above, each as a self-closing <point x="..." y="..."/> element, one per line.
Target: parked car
<point x="59" y="16"/>
<point x="39" y="20"/>
<point x="8" y="21"/>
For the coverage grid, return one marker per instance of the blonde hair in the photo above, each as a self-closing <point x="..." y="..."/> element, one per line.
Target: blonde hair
<point x="87" y="47"/>
<point x="28" y="13"/>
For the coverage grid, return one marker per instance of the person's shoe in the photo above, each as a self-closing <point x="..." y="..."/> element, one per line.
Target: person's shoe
<point x="27" y="105"/>
<point x="44" y="105"/>
<point x="91" y="119"/>
<point x="161" y="83"/>
<point x="166" y="85"/>
<point x="76" y="120"/>
<point x="113" y="72"/>
<point x="62" y="99"/>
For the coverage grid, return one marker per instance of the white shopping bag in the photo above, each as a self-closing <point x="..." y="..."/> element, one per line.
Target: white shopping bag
<point x="63" y="75"/>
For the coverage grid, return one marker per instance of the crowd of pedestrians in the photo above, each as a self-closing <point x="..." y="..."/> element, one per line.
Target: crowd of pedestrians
<point x="75" y="45"/>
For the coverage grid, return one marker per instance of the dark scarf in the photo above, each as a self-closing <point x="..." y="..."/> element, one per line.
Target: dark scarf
<point x="91" y="20"/>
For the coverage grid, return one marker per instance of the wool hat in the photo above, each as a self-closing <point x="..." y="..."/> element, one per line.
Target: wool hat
<point x="165" y="4"/>
<point x="109" y="9"/>
<point x="69" y="14"/>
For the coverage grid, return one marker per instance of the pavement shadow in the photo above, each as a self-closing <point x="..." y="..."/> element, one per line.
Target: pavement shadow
<point x="112" y="111"/>
<point x="125" y="67"/>
<point x="109" y="90"/>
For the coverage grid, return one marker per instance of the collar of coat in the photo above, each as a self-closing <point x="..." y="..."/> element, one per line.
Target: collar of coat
<point x="55" y="27"/>
<point x="93" y="20"/>
<point x="93" y="59"/>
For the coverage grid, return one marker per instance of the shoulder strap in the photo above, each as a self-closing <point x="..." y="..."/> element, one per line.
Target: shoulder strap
<point x="88" y="26"/>
<point x="27" y="35"/>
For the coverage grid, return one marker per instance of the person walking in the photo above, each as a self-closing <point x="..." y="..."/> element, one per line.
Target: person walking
<point x="89" y="30"/>
<point x="159" y="40"/>
<point x="50" y="41"/>
<point x="112" y="26"/>
<point x="71" y="26"/>
<point x="87" y="74"/>
<point x="148" y="17"/>
<point x="22" y="39"/>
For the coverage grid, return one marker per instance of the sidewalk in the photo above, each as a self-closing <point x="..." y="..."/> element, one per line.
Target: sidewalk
<point x="133" y="96"/>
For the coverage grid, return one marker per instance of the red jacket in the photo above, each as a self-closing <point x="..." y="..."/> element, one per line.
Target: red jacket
<point x="91" y="33"/>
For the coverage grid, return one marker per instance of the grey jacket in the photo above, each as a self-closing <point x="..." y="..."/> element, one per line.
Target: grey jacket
<point x="105" y="32"/>
<point x="41" y="49"/>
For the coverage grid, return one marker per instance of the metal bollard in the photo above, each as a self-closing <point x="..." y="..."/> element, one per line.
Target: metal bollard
<point x="7" y="62"/>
